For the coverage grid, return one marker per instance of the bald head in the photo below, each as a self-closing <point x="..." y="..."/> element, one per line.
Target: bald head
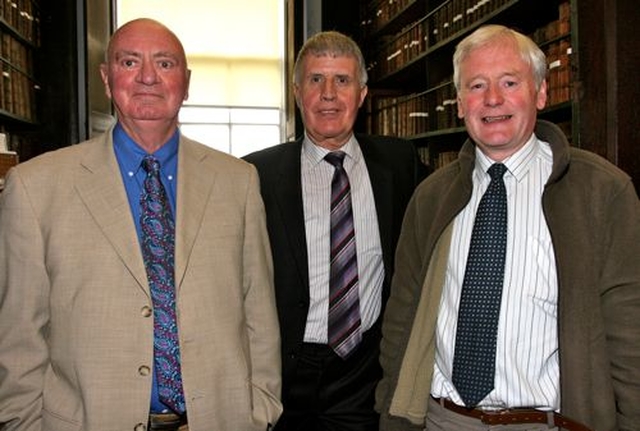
<point x="141" y="26"/>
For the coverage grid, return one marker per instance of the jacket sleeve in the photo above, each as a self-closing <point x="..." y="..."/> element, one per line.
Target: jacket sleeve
<point x="398" y="318"/>
<point x="620" y="298"/>
<point x="24" y="314"/>
<point x="260" y="310"/>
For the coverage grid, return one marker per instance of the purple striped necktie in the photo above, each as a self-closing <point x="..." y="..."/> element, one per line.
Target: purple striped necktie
<point x="344" y="304"/>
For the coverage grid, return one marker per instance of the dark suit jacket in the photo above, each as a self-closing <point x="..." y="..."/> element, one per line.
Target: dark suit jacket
<point x="394" y="170"/>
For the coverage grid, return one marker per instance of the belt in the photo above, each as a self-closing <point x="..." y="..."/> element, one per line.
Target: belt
<point x="514" y="416"/>
<point x="167" y="422"/>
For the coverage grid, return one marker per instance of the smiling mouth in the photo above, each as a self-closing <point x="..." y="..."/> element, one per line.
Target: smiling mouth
<point x="495" y="118"/>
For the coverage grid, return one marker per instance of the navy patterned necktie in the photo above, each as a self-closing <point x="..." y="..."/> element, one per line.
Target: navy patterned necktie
<point x="344" y="304"/>
<point x="475" y="348"/>
<point x="158" y="239"/>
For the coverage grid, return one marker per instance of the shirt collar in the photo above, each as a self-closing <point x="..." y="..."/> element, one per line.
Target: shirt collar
<point x="133" y="153"/>
<point x="517" y="164"/>
<point x="315" y="153"/>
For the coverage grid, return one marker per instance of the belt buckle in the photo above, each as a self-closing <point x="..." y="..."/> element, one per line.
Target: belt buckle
<point x="165" y="421"/>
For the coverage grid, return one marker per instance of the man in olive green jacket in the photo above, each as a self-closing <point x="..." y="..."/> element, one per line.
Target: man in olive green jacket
<point x="593" y="214"/>
<point x="562" y="341"/>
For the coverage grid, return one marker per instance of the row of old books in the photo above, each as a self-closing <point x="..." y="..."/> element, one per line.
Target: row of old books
<point x="382" y="12"/>
<point x="399" y="116"/>
<point x="437" y="26"/>
<point x="450" y="18"/>
<point x="18" y="88"/>
<point x="23" y="17"/>
<point x="17" y="93"/>
<point x="414" y="114"/>
<point x="455" y="15"/>
<point x="559" y="75"/>
<point x="16" y="53"/>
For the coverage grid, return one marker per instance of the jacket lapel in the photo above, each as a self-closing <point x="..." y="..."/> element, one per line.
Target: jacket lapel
<point x="194" y="192"/>
<point x="288" y="196"/>
<point x="101" y="189"/>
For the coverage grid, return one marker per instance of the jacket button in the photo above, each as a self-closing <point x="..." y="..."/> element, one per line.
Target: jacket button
<point x="144" y="370"/>
<point x="146" y="311"/>
<point x="140" y="427"/>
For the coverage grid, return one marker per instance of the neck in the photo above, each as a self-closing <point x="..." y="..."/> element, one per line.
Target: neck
<point x="150" y="135"/>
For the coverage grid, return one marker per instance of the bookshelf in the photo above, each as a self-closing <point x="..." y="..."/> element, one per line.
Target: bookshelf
<point x="19" y="40"/>
<point x="409" y="46"/>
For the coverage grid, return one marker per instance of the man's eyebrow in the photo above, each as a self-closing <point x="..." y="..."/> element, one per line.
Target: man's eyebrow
<point x="165" y="54"/>
<point x="127" y="53"/>
<point x="161" y="54"/>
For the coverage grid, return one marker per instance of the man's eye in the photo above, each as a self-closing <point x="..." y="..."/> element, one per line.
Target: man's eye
<point x="315" y="79"/>
<point x="128" y="63"/>
<point x="166" y="64"/>
<point x="343" y="80"/>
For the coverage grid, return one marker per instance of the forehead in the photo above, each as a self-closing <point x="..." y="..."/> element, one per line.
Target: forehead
<point x="496" y="56"/>
<point x="330" y="63"/>
<point x="143" y="38"/>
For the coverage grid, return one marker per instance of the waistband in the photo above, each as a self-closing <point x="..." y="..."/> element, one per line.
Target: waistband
<point x="514" y="416"/>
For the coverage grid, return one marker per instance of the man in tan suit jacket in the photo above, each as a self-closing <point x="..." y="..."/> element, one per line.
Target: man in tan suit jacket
<point x="76" y="318"/>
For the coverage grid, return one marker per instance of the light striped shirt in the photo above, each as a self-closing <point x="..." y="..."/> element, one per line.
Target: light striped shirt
<point x="527" y="368"/>
<point x="316" y="197"/>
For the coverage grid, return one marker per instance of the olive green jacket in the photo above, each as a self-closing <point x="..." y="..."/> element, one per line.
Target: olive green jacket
<point x="593" y="214"/>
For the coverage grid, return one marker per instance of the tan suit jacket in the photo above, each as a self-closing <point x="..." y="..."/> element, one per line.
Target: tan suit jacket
<point x="76" y="327"/>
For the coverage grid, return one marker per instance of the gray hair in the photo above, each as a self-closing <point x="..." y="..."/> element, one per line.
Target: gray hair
<point x="333" y="44"/>
<point x="529" y="51"/>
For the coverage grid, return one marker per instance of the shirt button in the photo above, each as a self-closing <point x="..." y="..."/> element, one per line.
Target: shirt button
<point x="144" y="370"/>
<point x="146" y="311"/>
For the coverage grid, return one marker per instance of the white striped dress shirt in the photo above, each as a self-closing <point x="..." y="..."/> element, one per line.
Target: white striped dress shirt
<point x="527" y="367"/>
<point x="316" y="197"/>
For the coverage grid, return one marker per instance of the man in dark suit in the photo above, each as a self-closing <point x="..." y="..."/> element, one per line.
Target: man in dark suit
<point x="329" y="385"/>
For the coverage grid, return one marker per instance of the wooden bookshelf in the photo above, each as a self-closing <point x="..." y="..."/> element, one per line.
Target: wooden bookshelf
<point x="19" y="88"/>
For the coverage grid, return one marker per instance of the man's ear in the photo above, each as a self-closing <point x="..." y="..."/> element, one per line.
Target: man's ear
<point x="104" y="74"/>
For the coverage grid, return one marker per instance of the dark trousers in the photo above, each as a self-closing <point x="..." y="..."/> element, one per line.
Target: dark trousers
<point x="327" y="393"/>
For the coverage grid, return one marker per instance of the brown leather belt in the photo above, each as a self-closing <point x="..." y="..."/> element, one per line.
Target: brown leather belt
<point x="167" y="422"/>
<point x="514" y="416"/>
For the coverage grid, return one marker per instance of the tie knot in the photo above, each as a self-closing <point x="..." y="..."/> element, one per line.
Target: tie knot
<point x="335" y="158"/>
<point x="496" y="171"/>
<point x="150" y="164"/>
